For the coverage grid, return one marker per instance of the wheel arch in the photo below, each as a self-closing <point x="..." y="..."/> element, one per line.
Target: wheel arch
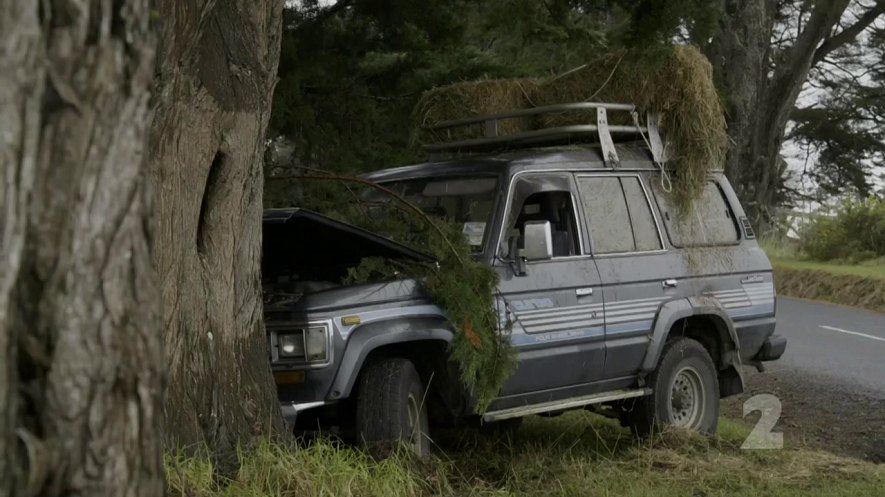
<point x="414" y="338"/>
<point x="704" y="320"/>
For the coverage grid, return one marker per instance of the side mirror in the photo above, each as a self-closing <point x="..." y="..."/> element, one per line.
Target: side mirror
<point x="538" y="241"/>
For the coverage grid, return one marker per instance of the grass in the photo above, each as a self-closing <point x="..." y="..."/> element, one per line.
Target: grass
<point x="577" y="454"/>
<point x="873" y="269"/>
<point x="788" y="255"/>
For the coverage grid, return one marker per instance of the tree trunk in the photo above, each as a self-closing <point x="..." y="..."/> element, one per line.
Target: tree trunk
<point x="761" y="90"/>
<point x="80" y="349"/>
<point x="740" y="55"/>
<point x="217" y="69"/>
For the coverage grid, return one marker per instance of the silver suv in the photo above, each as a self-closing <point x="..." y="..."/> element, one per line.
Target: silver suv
<point x="613" y="302"/>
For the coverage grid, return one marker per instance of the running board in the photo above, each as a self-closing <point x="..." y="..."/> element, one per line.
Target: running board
<point x="561" y="405"/>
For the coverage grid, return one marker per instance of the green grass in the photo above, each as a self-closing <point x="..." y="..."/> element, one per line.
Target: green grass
<point x="874" y="269"/>
<point x="577" y="454"/>
<point x="787" y="255"/>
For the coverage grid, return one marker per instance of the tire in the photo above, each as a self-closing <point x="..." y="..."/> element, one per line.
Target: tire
<point x="391" y="408"/>
<point x="685" y="392"/>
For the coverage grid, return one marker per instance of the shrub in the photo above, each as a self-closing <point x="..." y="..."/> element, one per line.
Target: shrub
<point x="855" y="232"/>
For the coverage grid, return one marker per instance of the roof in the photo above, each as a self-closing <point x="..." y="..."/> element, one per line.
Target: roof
<point x="632" y="156"/>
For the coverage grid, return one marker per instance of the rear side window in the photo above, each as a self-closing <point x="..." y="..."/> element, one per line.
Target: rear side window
<point x="618" y="214"/>
<point x="709" y="222"/>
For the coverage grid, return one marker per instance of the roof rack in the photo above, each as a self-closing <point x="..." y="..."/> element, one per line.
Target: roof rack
<point x="603" y="131"/>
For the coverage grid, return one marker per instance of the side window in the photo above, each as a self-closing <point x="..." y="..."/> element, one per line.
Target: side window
<point x="543" y="198"/>
<point x="619" y="215"/>
<point x="709" y="222"/>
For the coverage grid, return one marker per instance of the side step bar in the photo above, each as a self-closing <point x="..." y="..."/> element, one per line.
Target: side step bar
<point x="561" y="405"/>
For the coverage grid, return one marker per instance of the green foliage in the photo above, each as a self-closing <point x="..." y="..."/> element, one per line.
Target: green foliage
<point x="459" y="285"/>
<point x="854" y="233"/>
<point x="577" y="454"/>
<point x="351" y="72"/>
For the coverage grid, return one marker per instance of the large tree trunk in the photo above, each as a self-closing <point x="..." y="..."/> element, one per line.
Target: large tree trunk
<point x="217" y="64"/>
<point x="740" y="55"/>
<point x="80" y="349"/>
<point x="761" y="88"/>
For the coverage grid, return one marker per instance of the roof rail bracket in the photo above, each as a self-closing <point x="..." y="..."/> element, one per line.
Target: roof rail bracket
<point x="609" y="153"/>
<point x="491" y="128"/>
<point x="654" y="137"/>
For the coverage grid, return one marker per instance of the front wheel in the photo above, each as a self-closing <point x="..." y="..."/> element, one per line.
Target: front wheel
<point x="391" y="407"/>
<point x="685" y="392"/>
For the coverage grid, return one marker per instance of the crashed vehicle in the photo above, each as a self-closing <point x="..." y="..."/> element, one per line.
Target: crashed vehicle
<point x="612" y="301"/>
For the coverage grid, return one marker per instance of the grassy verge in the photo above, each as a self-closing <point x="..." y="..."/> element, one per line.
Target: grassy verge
<point x="576" y="454"/>
<point x="856" y="284"/>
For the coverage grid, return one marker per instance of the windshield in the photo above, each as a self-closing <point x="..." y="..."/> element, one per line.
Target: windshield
<point x="468" y="201"/>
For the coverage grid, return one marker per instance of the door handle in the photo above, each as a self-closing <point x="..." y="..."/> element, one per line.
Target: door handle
<point x="583" y="292"/>
<point x="671" y="283"/>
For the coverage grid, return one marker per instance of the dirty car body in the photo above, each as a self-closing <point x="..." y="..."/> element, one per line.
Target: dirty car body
<point x="601" y="280"/>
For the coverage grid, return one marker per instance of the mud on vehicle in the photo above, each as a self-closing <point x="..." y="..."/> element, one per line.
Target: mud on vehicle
<point x="613" y="299"/>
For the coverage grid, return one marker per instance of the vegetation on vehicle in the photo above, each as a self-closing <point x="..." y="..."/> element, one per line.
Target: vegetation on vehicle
<point x="675" y="82"/>
<point x="459" y="285"/>
<point x="575" y="454"/>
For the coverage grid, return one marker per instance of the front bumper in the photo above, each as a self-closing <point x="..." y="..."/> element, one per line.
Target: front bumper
<point x="772" y="349"/>
<point x="291" y="409"/>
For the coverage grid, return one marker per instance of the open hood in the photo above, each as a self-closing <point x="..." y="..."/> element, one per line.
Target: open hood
<point x="309" y="246"/>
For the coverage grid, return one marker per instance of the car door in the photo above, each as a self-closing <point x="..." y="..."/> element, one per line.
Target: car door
<point x="554" y="310"/>
<point x="637" y="273"/>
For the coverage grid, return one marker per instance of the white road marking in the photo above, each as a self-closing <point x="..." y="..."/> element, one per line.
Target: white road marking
<point x="840" y="330"/>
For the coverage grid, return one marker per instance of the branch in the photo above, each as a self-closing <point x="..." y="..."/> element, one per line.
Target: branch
<point x="850" y="33"/>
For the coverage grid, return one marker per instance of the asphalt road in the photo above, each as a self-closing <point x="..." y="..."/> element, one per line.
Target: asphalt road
<point x="841" y="344"/>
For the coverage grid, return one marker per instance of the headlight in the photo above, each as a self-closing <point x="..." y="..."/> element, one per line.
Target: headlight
<point x="291" y="345"/>
<point x="307" y="344"/>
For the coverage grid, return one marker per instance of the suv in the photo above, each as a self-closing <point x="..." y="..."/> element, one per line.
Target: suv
<point x="613" y="302"/>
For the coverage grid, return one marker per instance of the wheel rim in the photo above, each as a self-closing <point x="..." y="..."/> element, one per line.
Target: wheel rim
<point x="416" y="437"/>
<point x="687" y="398"/>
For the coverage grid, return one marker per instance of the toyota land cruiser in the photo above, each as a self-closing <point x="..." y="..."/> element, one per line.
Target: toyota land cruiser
<point x="615" y="301"/>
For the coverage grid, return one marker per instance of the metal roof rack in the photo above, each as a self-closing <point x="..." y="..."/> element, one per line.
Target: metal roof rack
<point x="601" y="130"/>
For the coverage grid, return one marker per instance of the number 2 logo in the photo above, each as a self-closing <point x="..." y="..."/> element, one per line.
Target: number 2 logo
<point x="762" y="437"/>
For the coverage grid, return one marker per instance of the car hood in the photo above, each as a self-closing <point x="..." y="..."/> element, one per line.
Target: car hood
<point x="316" y="251"/>
<point x="395" y="293"/>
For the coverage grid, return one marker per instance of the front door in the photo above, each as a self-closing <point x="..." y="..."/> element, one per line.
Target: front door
<point x="554" y="311"/>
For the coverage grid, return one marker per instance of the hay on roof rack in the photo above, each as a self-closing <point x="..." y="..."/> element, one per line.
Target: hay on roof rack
<point x="676" y="82"/>
<point x="469" y="99"/>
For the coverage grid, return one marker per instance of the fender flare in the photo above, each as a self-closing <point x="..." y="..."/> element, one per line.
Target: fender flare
<point x="674" y="310"/>
<point x="365" y="339"/>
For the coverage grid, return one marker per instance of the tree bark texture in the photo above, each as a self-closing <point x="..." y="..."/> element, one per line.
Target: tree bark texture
<point x="80" y="348"/>
<point x="761" y="87"/>
<point x="217" y="70"/>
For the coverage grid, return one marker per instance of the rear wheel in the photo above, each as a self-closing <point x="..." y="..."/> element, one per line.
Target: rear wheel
<point x="391" y="408"/>
<point x="685" y="392"/>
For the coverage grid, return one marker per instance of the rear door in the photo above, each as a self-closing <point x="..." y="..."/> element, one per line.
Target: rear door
<point x="637" y="273"/>
<point x="555" y="310"/>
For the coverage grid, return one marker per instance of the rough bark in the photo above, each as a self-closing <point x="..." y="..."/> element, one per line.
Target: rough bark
<point x="80" y="351"/>
<point x="217" y="70"/>
<point x="761" y="90"/>
<point x="740" y="55"/>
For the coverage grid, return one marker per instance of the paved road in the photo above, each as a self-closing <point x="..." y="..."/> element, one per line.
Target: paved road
<point x="841" y="344"/>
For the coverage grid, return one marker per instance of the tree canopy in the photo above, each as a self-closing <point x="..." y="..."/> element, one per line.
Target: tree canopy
<point x="351" y="73"/>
